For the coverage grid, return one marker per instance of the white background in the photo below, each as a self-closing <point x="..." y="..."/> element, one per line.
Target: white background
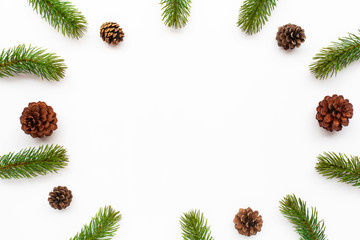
<point x="204" y="117"/>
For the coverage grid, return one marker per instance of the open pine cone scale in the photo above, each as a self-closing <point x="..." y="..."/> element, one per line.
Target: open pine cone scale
<point x="111" y="33"/>
<point x="38" y="119"/>
<point x="290" y="36"/>
<point x="248" y="222"/>
<point x="334" y="112"/>
<point x="60" y="197"/>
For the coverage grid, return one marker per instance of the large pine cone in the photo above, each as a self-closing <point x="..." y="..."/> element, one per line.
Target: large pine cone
<point x="248" y="222"/>
<point x="38" y="120"/>
<point x="60" y="197"/>
<point x="290" y="36"/>
<point x="334" y="112"/>
<point x="111" y="33"/>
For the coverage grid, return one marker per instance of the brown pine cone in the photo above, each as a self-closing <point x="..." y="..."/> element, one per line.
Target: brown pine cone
<point x="334" y="112"/>
<point x="290" y="36"/>
<point x="111" y="33"/>
<point x="60" y="197"/>
<point x="38" y="120"/>
<point x="248" y="222"/>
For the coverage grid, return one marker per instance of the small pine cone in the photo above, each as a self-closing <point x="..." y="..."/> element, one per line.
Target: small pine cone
<point x="60" y="197"/>
<point x="248" y="222"/>
<point x="334" y="112"/>
<point x="290" y="36"/>
<point x="111" y="33"/>
<point x="38" y="120"/>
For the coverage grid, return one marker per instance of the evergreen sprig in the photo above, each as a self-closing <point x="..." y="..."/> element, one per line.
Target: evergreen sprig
<point x="31" y="162"/>
<point x="254" y="14"/>
<point x="175" y="12"/>
<point x="63" y="16"/>
<point x="305" y="222"/>
<point x="102" y="227"/>
<point x="194" y="226"/>
<point x="346" y="169"/>
<point x="22" y="59"/>
<point x="336" y="57"/>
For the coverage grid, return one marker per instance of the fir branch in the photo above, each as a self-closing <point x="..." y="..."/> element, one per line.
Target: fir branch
<point x="63" y="16"/>
<point x="175" y="12"/>
<point x="254" y="14"/>
<point x="306" y="223"/>
<point x="103" y="226"/>
<point x="194" y="226"/>
<point x="346" y="169"/>
<point x="31" y="162"/>
<point x="22" y="59"/>
<point x="336" y="57"/>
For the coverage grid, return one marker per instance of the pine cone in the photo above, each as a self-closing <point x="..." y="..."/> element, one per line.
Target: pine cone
<point x="290" y="36"/>
<point x="38" y="120"/>
<point x="111" y="33"/>
<point x="60" y="197"/>
<point x="248" y="222"/>
<point x="334" y="112"/>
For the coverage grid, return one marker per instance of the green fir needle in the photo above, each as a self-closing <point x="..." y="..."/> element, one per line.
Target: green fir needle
<point x="305" y="220"/>
<point x="175" y="12"/>
<point x="345" y="169"/>
<point x="61" y="15"/>
<point x="101" y="227"/>
<point x="31" y="162"/>
<point x="332" y="59"/>
<point x="254" y="14"/>
<point x="194" y="226"/>
<point x="22" y="59"/>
